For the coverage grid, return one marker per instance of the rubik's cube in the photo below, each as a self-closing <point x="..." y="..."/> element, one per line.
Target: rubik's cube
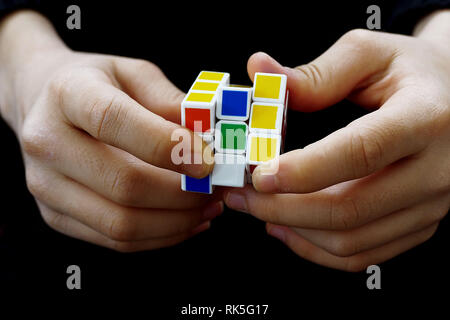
<point x="244" y="125"/>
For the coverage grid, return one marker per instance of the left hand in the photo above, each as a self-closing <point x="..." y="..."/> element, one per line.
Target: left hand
<point x="379" y="186"/>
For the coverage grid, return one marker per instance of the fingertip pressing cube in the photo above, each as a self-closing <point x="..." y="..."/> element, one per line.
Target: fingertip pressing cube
<point x="230" y="137"/>
<point x="198" y="111"/>
<point x="202" y="185"/>
<point x="269" y="87"/>
<point x="233" y="103"/>
<point x="266" y="117"/>
<point x="262" y="147"/>
<point x="229" y="170"/>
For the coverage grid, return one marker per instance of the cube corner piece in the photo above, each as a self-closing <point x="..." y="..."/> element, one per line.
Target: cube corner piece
<point x="198" y="108"/>
<point x="269" y="87"/>
<point x="203" y="185"/>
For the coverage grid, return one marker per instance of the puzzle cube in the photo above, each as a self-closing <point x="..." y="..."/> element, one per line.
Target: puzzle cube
<point x="269" y="87"/>
<point x="284" y="125"/>
<point x="230" y="137"/>
<point x="233" y="103"/>
<point x="203" y="185"/>
<point x="266" y="117"/>
<point x="198" y="111"/>
<point x="262" y="147"/>
<point x="229" y="170"/>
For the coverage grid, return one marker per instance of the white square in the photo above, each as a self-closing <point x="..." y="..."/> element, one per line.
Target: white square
<point x="229" y="170"/>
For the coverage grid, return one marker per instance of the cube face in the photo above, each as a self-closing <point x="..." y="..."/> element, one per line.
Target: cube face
<point x="233" y="103"/>
<point x="198" y="111"/>
<point x="269" y="87"/>
<point x="229" y="170"/>
<point x="262" y="147"/>
<point x="266" y="117"/>
<point x="203" y="185"/>
<point x="231" y="137"/>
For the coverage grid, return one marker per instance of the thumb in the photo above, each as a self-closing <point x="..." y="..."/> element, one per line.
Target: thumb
<point x="344" y="67"/>
<point x="147" y="84"/>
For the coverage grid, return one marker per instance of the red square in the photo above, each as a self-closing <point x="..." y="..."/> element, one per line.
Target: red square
<point x="195" y="114"/>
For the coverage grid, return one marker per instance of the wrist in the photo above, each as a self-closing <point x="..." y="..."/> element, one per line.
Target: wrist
<point x="28" y="44"/>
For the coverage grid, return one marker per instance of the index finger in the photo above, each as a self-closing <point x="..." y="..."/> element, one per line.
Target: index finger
<point x="111" y="116"/>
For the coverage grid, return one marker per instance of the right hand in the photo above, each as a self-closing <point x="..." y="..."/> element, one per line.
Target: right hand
<point x="95" y="131"/>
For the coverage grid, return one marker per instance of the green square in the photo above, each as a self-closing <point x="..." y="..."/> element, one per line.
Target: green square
<point x="234" y="136"/>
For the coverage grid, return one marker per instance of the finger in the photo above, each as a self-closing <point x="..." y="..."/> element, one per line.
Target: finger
<point x="115" y="222"/>
<point x="346" y="205"/>
<point x="366" y="145"/>
<point x="109" y="115"/>
<point x="379" y="232"/>
<point x="354" y="263"/>
<point x="148" y="85"/>
<point x="119" y="176"/>
<point x="75" y="229"/>
<point x="345" y="66"/>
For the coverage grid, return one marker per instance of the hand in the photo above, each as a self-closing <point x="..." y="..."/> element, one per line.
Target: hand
<point x="379" y="186"/>
<point x="95" y="131"/>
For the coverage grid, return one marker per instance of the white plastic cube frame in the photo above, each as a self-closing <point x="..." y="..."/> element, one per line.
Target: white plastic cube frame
<point x="261" y="135"/>
<point x="218" y="137"/>
<point x="219" y="114"/>
<point x="229" y="170"/>
<point x="281" y="94"/>
<point x="278" y="120"/>
<point x="200" y="105"/>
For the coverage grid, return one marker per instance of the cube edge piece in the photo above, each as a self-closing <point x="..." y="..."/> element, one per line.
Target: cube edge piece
<point x="200" y="105"/>
<point x="183" y="185"/>
<point x="282" y="92"/>
<point x="278" y="122"/>
<point x="262" y="135"/>
<point x="235" y="177"/>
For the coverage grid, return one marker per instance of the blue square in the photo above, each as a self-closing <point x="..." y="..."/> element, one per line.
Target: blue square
<point x="234" y="103"/>
<point x="198" y="185"/>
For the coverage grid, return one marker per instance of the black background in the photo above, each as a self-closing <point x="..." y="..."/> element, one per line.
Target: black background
<point x="235" y="262"/>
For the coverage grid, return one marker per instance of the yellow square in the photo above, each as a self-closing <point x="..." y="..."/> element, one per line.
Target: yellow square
<point x="264" y="117"/>
<point x="200" y="97"/>
<point x="263" y="149"/>
<point x="205" y="86"/>
<point x="208" y="75"/>
<point x="267" y="86"/>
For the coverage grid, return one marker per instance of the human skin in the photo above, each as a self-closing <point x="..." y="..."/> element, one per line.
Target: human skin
<point x="379" y="186"/>
<point x="95" y="133"/>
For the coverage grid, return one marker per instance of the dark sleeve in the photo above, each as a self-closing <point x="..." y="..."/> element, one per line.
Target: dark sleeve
<point x="407" y="13"/>
<point x="6" y="6"/>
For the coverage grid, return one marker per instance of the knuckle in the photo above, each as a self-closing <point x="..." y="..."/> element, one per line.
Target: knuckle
<point x="313" y="73"/>
<point x="124" y="184"/>
<point x="54" y="220"/>
<point x="59" y="86"/>
<point x="360" y="38"/>
<point x="356" y="264"/>
<point x="119" y="226"/>
<point x="344" y="213"/>
<point x="37" y="185"/>
<point x="344" y="246"/>
<point x="105" y="117"/>
<point x="365" y="152"/>
<point x="37" y="142"/>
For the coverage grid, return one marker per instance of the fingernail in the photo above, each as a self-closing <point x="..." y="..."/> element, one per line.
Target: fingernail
<point x="264" y="182"/>
<point x="213" y="210"/>
<point x="236" y="201"/>
<point x="277" y="232"/>
<point x="203" y="227"/>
